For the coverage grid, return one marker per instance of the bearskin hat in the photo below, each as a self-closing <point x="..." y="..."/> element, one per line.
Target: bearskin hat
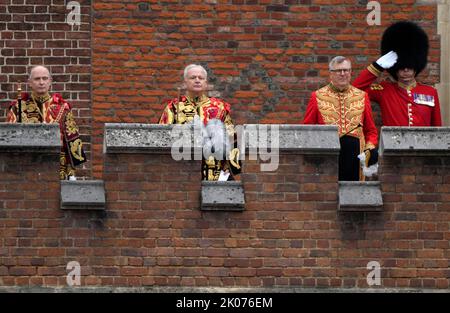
<point x="410" y="42"/>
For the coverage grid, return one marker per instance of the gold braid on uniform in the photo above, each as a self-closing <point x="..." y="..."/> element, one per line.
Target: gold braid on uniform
<point x="62" y="166"/>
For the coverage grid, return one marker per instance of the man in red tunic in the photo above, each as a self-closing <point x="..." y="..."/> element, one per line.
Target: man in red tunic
<point x="41" y="107"/>
<point x="403" y="102"/>
<point x="343" y="105"/>
<point x="210" y="110"/>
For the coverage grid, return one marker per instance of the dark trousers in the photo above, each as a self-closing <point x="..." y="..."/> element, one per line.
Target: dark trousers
<point x="348" y="158"/>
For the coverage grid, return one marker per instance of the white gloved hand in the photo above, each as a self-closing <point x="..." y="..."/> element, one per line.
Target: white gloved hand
<point x="388" y="60"/>
<point x="72" y="178"/>
<point x="367" y="171"/>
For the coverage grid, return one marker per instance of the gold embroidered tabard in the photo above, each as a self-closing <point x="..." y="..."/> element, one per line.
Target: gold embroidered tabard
<point x="183" y="109"/>
<point x="34" y="109"/>
<point x="53" y="109"/>
<point x="342" y="108"/>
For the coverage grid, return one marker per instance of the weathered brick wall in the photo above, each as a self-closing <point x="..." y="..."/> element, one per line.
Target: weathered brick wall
<point x="291" y="225"/>
<point x="35" y="32"/>
<point x="153" y="233"/>
<point x="412" y="235"/>
<point x="264" y="57"/>
<point x="31" y="224"/>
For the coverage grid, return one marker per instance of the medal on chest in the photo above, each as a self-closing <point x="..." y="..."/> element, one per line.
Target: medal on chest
<point x="423" y="99"/>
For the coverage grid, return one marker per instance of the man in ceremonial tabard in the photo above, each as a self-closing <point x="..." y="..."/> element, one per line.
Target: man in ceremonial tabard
<point x="343" y="105"/>
<point x="403" y="102"/>
<point x="213" y="113"/>
<point x="41" y="107"/>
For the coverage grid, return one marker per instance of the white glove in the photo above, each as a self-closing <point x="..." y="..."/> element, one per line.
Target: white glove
<point x="367" y="171"/>
<point x="388" y="60"/>
<point x="72" y="178"/>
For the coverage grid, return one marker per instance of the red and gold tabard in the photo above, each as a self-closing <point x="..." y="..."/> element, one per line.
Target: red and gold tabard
<point x="53" y="109"/>
<point x="182" y="110"/>
<point x="348" y="109"/>
<point x="416" y="105"/>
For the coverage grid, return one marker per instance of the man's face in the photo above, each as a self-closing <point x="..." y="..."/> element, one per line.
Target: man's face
<point x="406" y="76"/>
<point x="341" y="74"/>
<point x="40" y="81"/>
<point x="196" y="83"/>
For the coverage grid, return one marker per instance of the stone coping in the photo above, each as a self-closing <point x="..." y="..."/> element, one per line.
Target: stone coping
<point x="83" y="194"/>
<point x="415" y="141"/>
<point x="222" y="196"/>
<point x="360" y="196"/>
<point x="30" y="137"/>
<point x="155" y="138"/>
<point x="137" y="138"/>
<point x="302" y="139"/>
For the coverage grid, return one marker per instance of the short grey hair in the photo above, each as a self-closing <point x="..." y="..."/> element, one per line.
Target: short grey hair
<point x="191" y="66"/>
<point x="37" y="66"/>
<point x="338" y="60"/>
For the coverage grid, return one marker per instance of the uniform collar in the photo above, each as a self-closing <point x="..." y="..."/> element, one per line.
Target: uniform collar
<point x="40" y="99"/>
<point x="335" y="89"/>
<point x="195" y="100"/>
<point x="409" y="87"/>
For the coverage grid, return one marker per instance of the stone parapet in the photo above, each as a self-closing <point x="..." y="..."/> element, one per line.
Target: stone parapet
<point x="303" y="139"/>
<point x="29" y="138"/>
<point x="415" y="141"/>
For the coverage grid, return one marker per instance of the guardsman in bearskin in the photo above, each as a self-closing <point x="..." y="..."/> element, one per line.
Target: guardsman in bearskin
<point x="405" y="102"/>
<point x="41" y="107"/>
<point x="213" y="113"/>
<point x="343" y="105"/>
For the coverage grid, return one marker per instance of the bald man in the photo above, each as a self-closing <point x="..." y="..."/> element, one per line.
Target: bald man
<point x="41" y="107"/>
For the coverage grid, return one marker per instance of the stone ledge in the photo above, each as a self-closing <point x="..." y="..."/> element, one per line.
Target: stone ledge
<point x="30" y="138"/>
<point x="83" y="195"/>
<point x="210" y="290"/>
<point x="360" y="196"/>
<point x="139" y="138"/>
<point x="415" y="141"/>
<point x="155" y="138"/>
<point x="222" y="196"/>
<point x="304" y="139"/>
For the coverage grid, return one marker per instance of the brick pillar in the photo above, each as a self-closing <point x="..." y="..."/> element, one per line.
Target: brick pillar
<point x="415" y="181"/>
<point x="153" y="209"/>
<point x="291" y="212"/>
<point x="29" y="203"/>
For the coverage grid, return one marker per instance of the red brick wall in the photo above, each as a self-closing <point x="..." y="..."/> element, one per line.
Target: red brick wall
<point x="264" y="57"/>
<point x="412" y="236"/>
<point x="290" y="234"/>
<point x="35" y="32"/>
<point x="31" y="224"/>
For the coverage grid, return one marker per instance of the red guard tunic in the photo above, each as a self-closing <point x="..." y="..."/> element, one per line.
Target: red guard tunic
<point x="53" y="109"/>
<point x="416" y="105"/>
<point x="183" y="110"/>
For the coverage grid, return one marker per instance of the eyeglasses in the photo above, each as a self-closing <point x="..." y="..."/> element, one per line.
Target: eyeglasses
<point x="343" y="71"/>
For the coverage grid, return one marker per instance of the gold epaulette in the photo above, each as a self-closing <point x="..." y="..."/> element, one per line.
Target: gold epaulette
<point x="376" y="87"/>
